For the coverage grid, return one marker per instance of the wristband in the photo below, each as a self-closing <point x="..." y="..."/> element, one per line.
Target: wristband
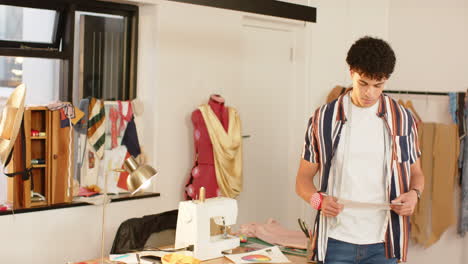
<point x="316" y="200"/>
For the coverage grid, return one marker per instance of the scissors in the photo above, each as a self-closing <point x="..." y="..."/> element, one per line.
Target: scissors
<point x="303" y="227"/>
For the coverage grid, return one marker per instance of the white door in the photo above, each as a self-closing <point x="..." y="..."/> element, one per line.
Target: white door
<point x="267" y="104"/>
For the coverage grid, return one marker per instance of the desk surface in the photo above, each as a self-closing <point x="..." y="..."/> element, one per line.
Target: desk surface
<point x="223" y="260"/>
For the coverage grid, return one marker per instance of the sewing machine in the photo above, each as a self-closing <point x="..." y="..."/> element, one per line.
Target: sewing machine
<point x="193" y="226"/>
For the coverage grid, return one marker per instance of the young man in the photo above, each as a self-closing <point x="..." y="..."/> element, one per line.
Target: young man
<point x="364" y="146"/>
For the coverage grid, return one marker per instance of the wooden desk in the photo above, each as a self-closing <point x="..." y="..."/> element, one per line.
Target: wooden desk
<point x="223" y="260"/>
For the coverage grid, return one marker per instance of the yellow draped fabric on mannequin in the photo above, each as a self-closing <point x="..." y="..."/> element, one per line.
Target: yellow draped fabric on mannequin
<point x="227" y="150"/>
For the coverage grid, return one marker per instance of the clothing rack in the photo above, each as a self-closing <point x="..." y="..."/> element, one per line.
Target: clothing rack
<point x="415" y="92"/>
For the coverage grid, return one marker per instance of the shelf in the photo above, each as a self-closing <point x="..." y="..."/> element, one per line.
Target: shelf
<point x="38" y="165"/>
<point x="35" y="208"/>
<point x="38" y="203"/>
<point x="38" y="137"/>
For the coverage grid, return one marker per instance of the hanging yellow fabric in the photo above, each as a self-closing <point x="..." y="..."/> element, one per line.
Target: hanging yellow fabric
<point x="227" y="150"/>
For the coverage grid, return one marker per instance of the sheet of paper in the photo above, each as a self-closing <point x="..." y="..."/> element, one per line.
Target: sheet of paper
<point x="161" y="253"/>
<point x="266" y="255"/>
<point x="129" y="258"/>
<point x="361" y="205"/>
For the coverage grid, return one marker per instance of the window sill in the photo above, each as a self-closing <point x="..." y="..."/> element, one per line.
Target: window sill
<point x="114" y="198"/>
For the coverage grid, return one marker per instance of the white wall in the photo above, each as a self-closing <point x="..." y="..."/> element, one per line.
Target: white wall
<point x="62" y="235"/>
<point x="430" y="40"/>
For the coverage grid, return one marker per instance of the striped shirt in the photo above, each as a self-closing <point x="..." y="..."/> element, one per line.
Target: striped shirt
<point x="321" y="141"/>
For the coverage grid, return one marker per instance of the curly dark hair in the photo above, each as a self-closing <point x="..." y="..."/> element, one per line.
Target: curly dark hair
<point x="371" y="57"/>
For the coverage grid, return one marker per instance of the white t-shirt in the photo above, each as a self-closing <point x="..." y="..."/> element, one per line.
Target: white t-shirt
<point x="362" y="154"/>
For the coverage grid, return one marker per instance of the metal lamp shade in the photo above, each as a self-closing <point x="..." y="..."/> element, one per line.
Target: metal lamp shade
<point x="140" y="176"/>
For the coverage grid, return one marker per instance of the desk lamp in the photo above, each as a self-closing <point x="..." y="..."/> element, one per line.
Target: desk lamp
<point x="140" y="176"/>
<point x="139" y="179"/>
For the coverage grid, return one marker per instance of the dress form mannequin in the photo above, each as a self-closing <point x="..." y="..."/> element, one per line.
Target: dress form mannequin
<point x="203" y="172"/>
<point x="217" y="98"/>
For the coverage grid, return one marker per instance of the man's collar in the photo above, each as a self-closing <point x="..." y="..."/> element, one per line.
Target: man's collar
<point x="341" y="116"/>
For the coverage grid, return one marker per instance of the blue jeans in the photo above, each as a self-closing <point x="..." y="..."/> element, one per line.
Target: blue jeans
<point x="339" y="252"/>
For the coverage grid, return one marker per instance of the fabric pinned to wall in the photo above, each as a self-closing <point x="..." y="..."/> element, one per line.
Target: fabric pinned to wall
<point x="113" y="159"/>
<point x="96" y="126"/>
<point x="130" y="139"/>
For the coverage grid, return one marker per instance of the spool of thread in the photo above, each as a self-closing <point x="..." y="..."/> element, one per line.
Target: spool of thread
<point x="202" y="194"/>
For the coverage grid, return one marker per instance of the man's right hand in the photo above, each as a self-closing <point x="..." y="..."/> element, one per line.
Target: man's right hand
<point x="330" y="206"/>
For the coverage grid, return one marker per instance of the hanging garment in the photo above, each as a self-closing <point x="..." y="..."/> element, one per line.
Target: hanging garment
<point x="113" y="159"/>
<point x="90" y="166"/>
<point x="64" y="121"/>
<point x="463" y="221"/>
<point x="80" y="138"/>
<point x="461" y="115"/>
<point x="118" y="115"/>
<point x="335" y="93"/>
<point x="122" y="182"/>
<point x="97" y="126"/>
<point x="453" y="102"/>
<point x="420" y="220"/>
<point x="72" y="112"/>
<point x="203" y="172"/>
<point x="440" y="148"/>
<point x="113" y="138"/>
<point x="446" y="149"/>
<point x="227" y="150"/>
<point x="82" y="126"/>
<point x="130" y="139"/>
<point x="113" y="117"/>
<point x="126" y="115"/>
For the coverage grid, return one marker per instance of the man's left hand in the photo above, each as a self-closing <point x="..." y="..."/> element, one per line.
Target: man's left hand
<point x="405" y="203"/>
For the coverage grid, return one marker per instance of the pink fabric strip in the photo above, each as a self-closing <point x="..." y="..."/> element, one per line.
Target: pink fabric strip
<point x="113" y="116"/>
<point x="123" y="118"/>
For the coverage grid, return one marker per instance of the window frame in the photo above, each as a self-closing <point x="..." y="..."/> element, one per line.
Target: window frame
<point x="59" y="7"/>
<point x="64" y="37"/>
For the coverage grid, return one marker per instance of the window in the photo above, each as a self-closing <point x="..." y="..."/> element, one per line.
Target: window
<point x="41" y="77"/>
<point x="103" y="56"/>
<point x="11" y="73"/>
<point x="94" y="42"/>
<point x="25" y="27"/>
<point x="66" y="50"/>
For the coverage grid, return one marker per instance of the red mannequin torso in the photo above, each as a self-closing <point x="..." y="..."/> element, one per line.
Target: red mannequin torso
<point x="203" y="173"/>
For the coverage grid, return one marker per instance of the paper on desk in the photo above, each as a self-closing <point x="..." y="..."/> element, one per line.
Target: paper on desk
<point x="161" y="253"/>
<point x="129" y="258"/>
<point x="266" y="255"/>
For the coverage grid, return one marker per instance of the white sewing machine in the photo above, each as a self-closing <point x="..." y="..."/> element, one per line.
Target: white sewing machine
<point x="193" y="226"/>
